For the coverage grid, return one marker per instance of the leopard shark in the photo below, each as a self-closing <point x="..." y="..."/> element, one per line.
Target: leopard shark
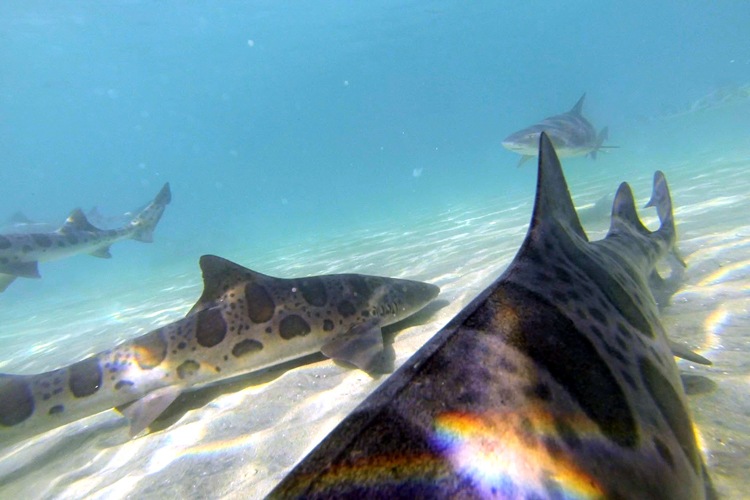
<point x="20" y="253"/>
<point x="571" y="134"/>
<point x="557" y="381"/>
<point x="243" y="322"/>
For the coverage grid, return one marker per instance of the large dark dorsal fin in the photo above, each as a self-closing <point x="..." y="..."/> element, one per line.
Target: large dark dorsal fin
<point x="219" y="275"/>
<point x="578" y="108"/>
<point x="553" y="201"/>
<point x="624" y="212"/>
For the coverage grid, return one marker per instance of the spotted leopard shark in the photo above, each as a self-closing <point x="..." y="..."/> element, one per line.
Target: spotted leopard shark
<point x="556" y="382"/>
<point x="21" y="253"/>
<point x="244" y="321"/>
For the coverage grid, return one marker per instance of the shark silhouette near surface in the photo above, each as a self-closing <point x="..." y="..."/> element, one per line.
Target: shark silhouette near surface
<point x="571" y="135"/>
<point x="557" y="381"/>
<point x="244" y="321"/>
<point x="21" y="253"/>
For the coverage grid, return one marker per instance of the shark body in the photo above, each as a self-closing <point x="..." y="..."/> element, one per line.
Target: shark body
<point x="556" y="382"/>
<point x="244" y="321"/>
<point x="570" y="133"/>
<point x="21" y="253"/>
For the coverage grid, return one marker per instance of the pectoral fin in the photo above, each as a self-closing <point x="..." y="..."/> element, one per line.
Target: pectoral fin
<point x="361" y="345"/>
<point x="5" y="281"/>
<point x="523" y="160"/>
<point x="683" y="352"/>
<point x="143" y="412"/>
<point x="102" y="253"/>
<point x="22" y="269"/>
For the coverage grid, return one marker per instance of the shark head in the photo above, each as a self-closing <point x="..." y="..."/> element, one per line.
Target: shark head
<point x="524" y="142"/>
<point x="396" y="298"/>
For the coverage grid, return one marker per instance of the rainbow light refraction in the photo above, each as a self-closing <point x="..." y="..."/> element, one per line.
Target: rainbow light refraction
<point x="504" y="460"/>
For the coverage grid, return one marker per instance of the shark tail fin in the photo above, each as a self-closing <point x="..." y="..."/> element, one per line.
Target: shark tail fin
<point x="661" y="199"/>
<point x="603" y="136"/>
<point x="144" y="223"/>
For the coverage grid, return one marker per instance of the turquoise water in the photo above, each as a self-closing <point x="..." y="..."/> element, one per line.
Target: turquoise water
<point x="345" y="137"/>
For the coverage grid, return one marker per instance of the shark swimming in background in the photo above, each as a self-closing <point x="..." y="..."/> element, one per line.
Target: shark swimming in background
<point x="19" y="223"/>
<point x="570" y="133"/>
<point x="21" y="253"/>
<point x="243" y="322"/>
<point x="557" y="381"/>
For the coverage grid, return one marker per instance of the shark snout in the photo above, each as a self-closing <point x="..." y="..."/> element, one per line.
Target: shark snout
<point x="414" y="295"/>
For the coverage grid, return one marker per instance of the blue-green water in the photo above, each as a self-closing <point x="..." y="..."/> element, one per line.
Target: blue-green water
<point x="333" y="136"/>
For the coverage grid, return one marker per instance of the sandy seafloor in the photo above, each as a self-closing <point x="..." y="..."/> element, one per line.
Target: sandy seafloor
<point x="239" y="440"/>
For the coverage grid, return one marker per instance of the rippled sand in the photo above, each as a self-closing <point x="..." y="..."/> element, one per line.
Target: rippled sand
<point x="238" y="439"/>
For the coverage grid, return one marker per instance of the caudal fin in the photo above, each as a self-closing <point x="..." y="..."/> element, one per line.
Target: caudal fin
<point x="145" y="222"/>
<point x="603" y="136"/>
<point x="662" y="201"/>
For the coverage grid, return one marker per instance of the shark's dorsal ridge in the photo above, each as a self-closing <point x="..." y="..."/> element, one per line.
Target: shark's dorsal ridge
<point x="624" y="212"/>
<point x="77" y="221"/>
<point x="553" y="201"/>
<point x="578" y="108"/>
<point x="220" y="274"/>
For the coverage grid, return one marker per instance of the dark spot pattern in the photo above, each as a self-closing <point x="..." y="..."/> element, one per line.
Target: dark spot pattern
<point x="85" y="377"/>
<point x="346" y="308"/>
<point x="293" y="326"/>
<point x="16" y="400"/>
<point x="534" y="326"/>
<point x="598" y="315"/>
<point x="527" y="432"/>
<point x="671" y="407"/>
<point x="327" y="325"/>
<point x="210" y="328"/>
<point x="187" y="369"/>
<point x="664" y="452"/>
<point x="260" y="305"/>
<point x="5" y="243"/>
<point x="617" y="295"/>
<point x="541" y="391"/>
<point x="42" y="240"/>
<point x="567" y="433"/>
<point x="150" y="349"/>
<point x="313" y="291"/>
<point x="245" y="347"/>
<point x="123" y="383"/>
<point x="56" y="409"/>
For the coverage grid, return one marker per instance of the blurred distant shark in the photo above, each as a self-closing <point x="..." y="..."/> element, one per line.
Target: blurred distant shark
<point x="597" y="211"/>
<point x="20" y="253"/>
<point x="19" y="222"/>
<point x="570" y="133"/>
<point x="722" y="97"/>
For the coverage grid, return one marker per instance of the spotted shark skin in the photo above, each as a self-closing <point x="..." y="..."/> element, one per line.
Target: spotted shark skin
<point x="21" y="253"/>
<point x="570" y="133"/>
<point x="244" y="321"/>
<point x="556" y="382"/>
